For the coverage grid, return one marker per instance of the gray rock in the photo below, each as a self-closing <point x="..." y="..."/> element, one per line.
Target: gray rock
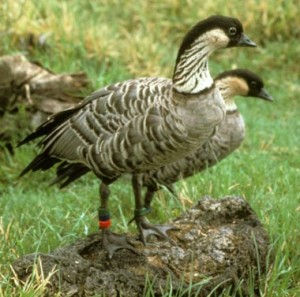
<point x="218" y="244"/>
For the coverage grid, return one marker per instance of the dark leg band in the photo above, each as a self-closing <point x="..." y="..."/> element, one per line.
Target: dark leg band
<point x="142" y="212"/>
<point x="104" y="218"/>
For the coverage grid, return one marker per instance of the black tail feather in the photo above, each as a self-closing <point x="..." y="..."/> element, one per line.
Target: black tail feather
<point x="67" y="173"/>
<point x="41" y="162"/>
<point x="47" y="127"/>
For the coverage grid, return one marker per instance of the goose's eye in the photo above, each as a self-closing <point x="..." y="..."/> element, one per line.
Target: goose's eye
<point x="232" y="31"/>
<point x="254" y="84"/>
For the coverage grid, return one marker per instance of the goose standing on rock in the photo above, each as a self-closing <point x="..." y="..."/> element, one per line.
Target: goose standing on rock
<point x="141" y="124"/>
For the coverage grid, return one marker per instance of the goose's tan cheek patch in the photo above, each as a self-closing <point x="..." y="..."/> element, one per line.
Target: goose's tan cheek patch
<point x="217" y="37"/>
<point x="240" y="87"/>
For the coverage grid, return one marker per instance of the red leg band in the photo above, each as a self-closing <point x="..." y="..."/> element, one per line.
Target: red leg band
<point x="104" y="224"/>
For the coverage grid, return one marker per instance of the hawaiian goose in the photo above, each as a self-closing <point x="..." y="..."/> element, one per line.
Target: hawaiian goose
<point x="228" y="137"/>
<point x="140" y="124"/>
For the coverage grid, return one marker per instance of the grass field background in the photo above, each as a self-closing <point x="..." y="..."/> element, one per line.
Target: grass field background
<point x="115" y="40"/>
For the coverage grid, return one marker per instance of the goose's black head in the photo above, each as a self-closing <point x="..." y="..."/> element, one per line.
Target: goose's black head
<point x="218" y="31"/>
<point x="246" y="83"/>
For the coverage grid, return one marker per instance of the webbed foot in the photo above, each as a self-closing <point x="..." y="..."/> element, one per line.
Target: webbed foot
<point x="112" y="242"/>
<point x="146" y="229"/>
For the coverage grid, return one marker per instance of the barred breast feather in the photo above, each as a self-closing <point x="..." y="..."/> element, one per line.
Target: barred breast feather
<point x="228" y="137"/>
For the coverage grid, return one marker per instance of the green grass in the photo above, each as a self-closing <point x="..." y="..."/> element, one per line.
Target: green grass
<point x="114" y="40"/>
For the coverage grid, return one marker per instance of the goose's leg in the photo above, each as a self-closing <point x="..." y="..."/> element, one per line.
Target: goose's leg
<point x="141" y="210"/>
<point x="111" y="242"/>
<point x="149" y="197"/>
<point x="152" y="190"/>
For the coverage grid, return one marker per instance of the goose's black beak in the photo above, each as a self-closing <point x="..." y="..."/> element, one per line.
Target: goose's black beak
<point x="245" y="41"/>
<point x="263" y="94"/>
